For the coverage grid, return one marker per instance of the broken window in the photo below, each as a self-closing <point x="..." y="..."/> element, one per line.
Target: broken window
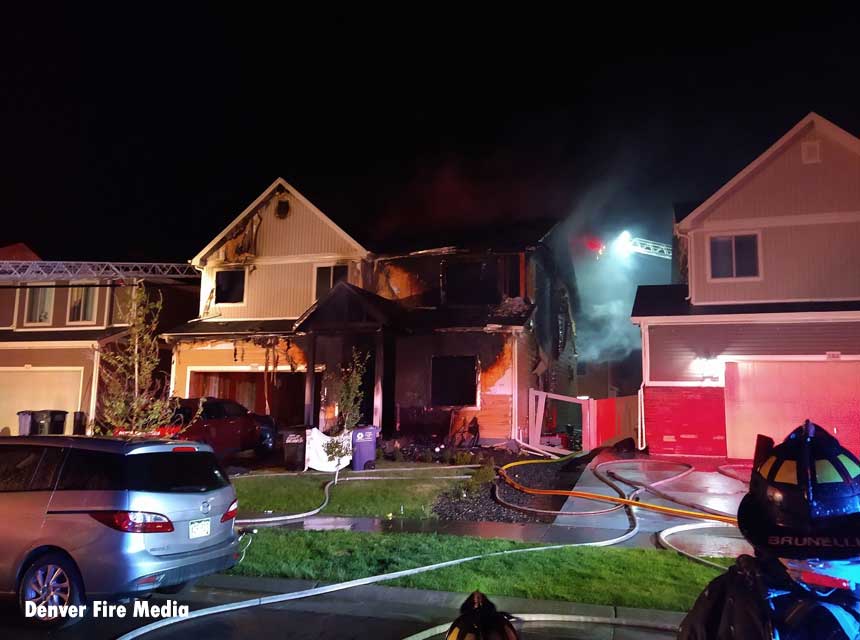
<point x="327" y="277"/>
<point x="230" y="286"/>
<point x="82" y="304"/>
<point x="734" y="256"/>
<point x="454" y="381"/>
<point x="40" y="305"/>
<point x="470" y="283"/>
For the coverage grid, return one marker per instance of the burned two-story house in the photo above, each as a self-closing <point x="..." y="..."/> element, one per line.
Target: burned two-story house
<point x="765" y="332"/>
<point x="57" y="317"/>
<point x="448" y="328"/>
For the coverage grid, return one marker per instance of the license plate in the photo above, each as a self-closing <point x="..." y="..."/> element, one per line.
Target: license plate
<point x="198" y="528"/>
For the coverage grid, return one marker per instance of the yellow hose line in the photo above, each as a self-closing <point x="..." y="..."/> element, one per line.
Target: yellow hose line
<point x="683" y="513"/>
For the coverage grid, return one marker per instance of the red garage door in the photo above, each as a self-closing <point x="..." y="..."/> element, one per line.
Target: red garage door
<point x="773" y="398"/>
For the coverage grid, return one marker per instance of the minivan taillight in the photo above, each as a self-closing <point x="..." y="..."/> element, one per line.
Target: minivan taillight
<point x="134" y="521"/>
<point x="231" y="511"/>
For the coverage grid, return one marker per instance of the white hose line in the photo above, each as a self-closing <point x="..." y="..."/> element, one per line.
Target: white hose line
<point x="438" y="630"/>
<point x="290" y="517"/>
<point x="326" y="473"/>
<point x="652" y="489"/>
<point x="663" y="539"/>
<point x="307" y="593"/>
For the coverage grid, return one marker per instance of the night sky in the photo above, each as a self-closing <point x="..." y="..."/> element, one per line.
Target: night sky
<point x="139" y="135"/>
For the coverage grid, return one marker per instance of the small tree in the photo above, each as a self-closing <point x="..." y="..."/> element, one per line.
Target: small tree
<point x="134" y="396"/>
<point x="348" y="395"/>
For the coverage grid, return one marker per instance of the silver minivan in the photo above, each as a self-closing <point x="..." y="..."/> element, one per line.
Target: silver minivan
<point x="85" y="519"/>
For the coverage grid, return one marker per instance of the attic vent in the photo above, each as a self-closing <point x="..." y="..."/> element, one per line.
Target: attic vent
<point x="282" y="208"/>
<point x="810" y="152"/>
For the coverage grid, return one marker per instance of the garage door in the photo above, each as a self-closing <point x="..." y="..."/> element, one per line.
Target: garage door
<point x="773" y="398"/>
<point x="37" y="389"/>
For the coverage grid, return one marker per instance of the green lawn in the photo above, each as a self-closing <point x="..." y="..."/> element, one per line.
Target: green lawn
<point x="608" y="576"/>
<point x="409" y="498"/>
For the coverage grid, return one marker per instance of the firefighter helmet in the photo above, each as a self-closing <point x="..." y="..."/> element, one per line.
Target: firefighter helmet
<point x="480" y="620"/>
<point x="804" y="497"/>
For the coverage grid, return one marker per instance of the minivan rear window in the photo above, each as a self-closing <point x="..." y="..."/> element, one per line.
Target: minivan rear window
<point x="166" y="472"/>
<point x="174" y="472"/>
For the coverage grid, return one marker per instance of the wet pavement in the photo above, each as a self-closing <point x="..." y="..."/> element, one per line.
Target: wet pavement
<point x="362" y="612"/>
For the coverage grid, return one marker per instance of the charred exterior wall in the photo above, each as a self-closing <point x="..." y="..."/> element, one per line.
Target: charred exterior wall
<point x="495" y="383"/>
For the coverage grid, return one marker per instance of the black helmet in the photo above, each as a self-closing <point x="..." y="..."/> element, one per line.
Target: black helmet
<point x="804" y="497"/>
<point x="480" y="620"/>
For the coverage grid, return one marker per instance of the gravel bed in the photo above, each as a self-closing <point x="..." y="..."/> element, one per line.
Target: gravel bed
<point x="479" y="505"/>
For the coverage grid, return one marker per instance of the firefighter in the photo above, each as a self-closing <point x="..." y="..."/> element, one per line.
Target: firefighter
<point x="802" y="517"/>
<point x="479" y="620"/>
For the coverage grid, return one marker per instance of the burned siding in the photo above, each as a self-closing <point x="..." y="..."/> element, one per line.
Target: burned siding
<point x="414" y="362"/>
<point x="673" y="348"/>
<point x="451" y="278"/>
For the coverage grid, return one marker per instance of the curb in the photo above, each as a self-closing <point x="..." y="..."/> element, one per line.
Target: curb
<point x="447" y="602"/>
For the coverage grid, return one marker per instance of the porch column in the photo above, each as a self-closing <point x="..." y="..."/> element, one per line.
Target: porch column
<point x="383" y="382"/>
<point x="311" y="419"/>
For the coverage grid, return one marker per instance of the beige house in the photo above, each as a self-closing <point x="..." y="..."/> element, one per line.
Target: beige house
<point x="766" y="332"/>
<point x="285" y="291"/>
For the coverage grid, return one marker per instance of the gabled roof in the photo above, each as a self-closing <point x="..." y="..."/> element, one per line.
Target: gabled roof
<point x="812" y="119"/>
<point x="256" y="203"/>
<point x="18" y="252"/>
<point x="347" y="304"/>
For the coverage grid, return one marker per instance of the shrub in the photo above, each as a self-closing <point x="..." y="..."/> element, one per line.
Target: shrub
<point x="426" y="456"/>
<point x="463" y="457"/>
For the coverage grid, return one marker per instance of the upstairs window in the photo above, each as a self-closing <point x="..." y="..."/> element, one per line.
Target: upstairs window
<point x="230" y="286"/>
<point x="40" y="305"/>
<point x="454" y="381"/>
<point x="327" y="277"/>
<point x="472" y="283"/>
<point x="82" y="305"/>
<point x="734" y="256"/>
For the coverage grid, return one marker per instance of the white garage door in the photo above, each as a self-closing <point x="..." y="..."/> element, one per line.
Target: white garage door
<point x="37" y="389"/>
<point x="773" y="398"/>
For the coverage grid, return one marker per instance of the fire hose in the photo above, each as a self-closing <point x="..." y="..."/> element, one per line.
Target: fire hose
<point x="622" y="501"/>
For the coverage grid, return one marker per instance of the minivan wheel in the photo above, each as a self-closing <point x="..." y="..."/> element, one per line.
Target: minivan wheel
<point x="51" y="579"/>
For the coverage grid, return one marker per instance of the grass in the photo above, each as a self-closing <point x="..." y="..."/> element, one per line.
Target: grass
<point x="608" y="576"/>
<point x="410" y="498"/>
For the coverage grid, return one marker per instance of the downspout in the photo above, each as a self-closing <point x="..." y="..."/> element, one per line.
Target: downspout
<point x="515" y="400"/>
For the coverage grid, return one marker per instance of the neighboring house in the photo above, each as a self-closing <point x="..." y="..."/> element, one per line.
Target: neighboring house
<point x="767" y="331"/>
<point x="51" y="330"/>
<point x="285" y="291"/>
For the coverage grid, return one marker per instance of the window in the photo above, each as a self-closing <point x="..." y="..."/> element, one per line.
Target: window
<point x="230" y="286"/>
<point x="581" y="368"/>
<point x="213" y="411"/>
<point x="18" y="465"/>
<point x="234" y="410"/>
<point x="82" y="304"/>
<point x="40" y="305"/>
<point x="92" y="471"/>
<point x="734" y="256"/>
<point x="174" y="472"/>
<point x="327" y="277"/>
<point x="454" y="381"/>
<point x="472" y="283"/>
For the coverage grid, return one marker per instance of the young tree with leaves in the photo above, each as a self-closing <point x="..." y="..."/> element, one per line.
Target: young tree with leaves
<point x="134" y="395"/>
<point x="347" y="394"/>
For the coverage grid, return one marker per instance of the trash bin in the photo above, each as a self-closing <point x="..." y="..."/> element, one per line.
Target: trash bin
<point x="79" y="423"/>
<point x="25" y="423"/>
<point x="50" y="422"/>
<point x="294" y="448"/>
<point x="364" y="448"/>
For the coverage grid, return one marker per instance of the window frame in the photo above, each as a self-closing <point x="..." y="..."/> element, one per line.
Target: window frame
<point x="82" y="284"/>
<point x="477" y="403"/>
<point x="56" y="472"/>
<point x="322" y="265"/>
<point x="48" y="286"/>
<point x="215" y="273"/>
<point x="733" y="234"/>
